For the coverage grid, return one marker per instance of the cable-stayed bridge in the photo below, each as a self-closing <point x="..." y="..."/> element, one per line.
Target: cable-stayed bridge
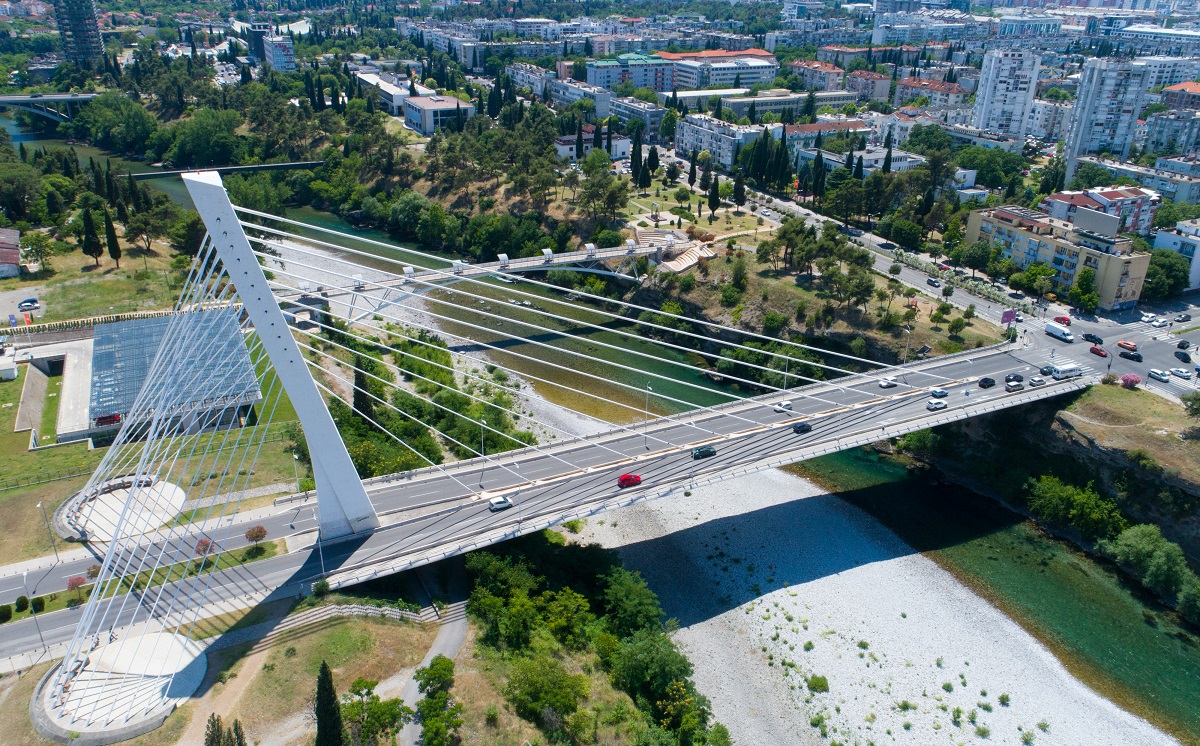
<point x="127" y="654"/>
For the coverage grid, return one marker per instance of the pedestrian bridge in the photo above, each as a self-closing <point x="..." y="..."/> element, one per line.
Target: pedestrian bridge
<point x="353" y="530"/>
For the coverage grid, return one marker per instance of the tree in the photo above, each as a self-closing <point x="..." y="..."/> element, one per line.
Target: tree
<point x="692" y="170"/>
<point x="976" y="256"/>
<point x="541" y="689"/>
<point x="110" y="235"/>
<point x="437" y="677"/>
<point x="255" y="534"/>
<point x="630" y="604"/>
<point x="146" y="227"/>
<point x="1166" y="277"/>
<point x="714" y="197"/>
<point x="327" y="710"/>
<point x="681" y="195"/>
<point x="76" y="583"/>
<point x="739" y="190"/>
<point x="666" y="130"/>
<point x="37" y="247"/>
<point x="652" y="160"/>
<point x="91" y="241"/>
<point x="957" y="325"/>
<point x="214" y="731"/>
<point x="370" y="719"/>
<point x="1191" y="403"/>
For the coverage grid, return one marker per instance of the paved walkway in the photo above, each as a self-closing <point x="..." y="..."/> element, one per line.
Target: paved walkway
<point x="33" y="399"/>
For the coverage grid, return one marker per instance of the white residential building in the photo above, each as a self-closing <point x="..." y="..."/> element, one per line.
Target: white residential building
<point x="1048" y="120"/>
<point x="567" y="92"/>
<point x="392" y="89"/>
<point x="873" y="158"/>
<point x="1135" y="206"/>
<point x="525" y="75"/>
<point x="1004" y="97"/>
<point x="1106" y="110"/>
<point x="722" y="140"/>
<point x="651" y="115"/>
<point x="1184" y="239"/>
<point x="1167" y="71"/>
<point x="1028" y="25"/>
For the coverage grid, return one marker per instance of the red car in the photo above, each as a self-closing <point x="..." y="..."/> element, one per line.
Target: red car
<point x="1127" y="345"/>
<point x="944" y="267"/>
<point x="628" y="480"/>
<point x="1064" y="320"/>
<point x="1098" y="350"/>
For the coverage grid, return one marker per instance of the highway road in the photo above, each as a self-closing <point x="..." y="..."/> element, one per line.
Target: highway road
<point x="430" y="513"/>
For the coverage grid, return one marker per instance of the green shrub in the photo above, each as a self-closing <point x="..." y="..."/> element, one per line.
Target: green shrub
<point x="320" y="588"/>
<point x="38" y="605"/>
<point x="22" y="604"/>
<point x="492" y="715"/>
<point x="1004" y="700"/>
<point x="574" y="525"/>
<point x="6" y="613"/>
<point x="817" y="684"/>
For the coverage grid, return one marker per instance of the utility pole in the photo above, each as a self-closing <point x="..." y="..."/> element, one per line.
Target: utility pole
<point x="32" y="613"/>
<point x="646" y="422"/>
<point x="482" y="449"/>
<point x="296" y="471"/>
<point x="54" y="542"/>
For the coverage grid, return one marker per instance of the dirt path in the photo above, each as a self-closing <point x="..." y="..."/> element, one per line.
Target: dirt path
<point x="227" y="695"/>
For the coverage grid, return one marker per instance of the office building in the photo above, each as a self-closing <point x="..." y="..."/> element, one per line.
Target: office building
<point x="392" y="89"/>
<point x="628" y="109"/>
<point x="257" y="33"/>
<point x="1183" y="239"/>
<point x="1135" y="206"/>
<point x="428" y="114"/>
<point x="1004" y="97"/>
<point x="779" y="101"/>
<point x="643" y="71"/>
<point x="724" y="141"/>
<point x="1029" y="236"/>
<point x="1107" y="107"/>
<point x="278" y="53"/>
<point x="80" y="31"/>
<point x="733" y="73"/>
<point x="873" y="158"/>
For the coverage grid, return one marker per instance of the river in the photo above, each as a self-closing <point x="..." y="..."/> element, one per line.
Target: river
<point x="1105" y="631"/>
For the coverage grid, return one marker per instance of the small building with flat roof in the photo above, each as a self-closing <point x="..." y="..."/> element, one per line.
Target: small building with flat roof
<point x="428" y="114"/>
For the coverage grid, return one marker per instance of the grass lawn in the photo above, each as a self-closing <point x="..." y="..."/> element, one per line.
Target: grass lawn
<point x="368" y="647"/>
<point x="49" y="425"/>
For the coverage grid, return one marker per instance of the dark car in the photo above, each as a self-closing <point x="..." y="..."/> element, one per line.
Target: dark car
<point x="29" y="304"/>
<point x="1184" y="317"/>
<point x="1183" y="344"/>
<point x="1046" y="370"/>
<point x="1134" y="356"/>
<point x="801" y="427"/>
<point x="986" y="383"/>
<point x="1183" y="356"/>
<point x="1014" y="378"/>
<point x="704" y="452"/>
<point x="1093" y="339"/>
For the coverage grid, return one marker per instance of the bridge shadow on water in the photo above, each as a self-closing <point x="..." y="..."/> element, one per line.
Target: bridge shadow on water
<point x="708" y="569"/>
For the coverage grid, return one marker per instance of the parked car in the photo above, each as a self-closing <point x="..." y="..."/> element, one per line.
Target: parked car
<point x="1064" y="320"/>
<point x="784" y="406"/>
<point x="1134" y="356"/>
<point x="1036" y="381"/>
<point x="1159" y="375"/>
<point x="1014" y="378"/>
<point x="703" y="452"/>
<point x="801" y="427"/>
<point x="1012" y="386"/>
<point x="1089" y="337"/>
<point x="939" y="393"/>
<point x="1098" y="350"/>
<point x="1183" y="373"/>
<point x="888" y="383"/>
<point x="1182" y="356"/>
<point x="1184" y="317"/>
<point x="944" y="267"/>
<point x="1127" y="345"/>
<point x="986" y="383"/>
<point x="1183" y="344"/>
<point x="934" y="405"/>
<point x="29" y="304"/>
<point x="628" y="480"/>
<point x="496" y="504"/>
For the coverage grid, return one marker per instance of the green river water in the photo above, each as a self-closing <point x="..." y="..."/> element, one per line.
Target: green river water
<point x="1122" y="644"/>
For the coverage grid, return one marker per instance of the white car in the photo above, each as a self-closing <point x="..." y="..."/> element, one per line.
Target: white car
<point x="888" y="383"/>
<point x="934" y="405"/>
<point x="1020" y="318"/>
<point x="939" y="393"/>
<point x="1158" y="323"/>
<point x="1159" y="375"/>
<point x="1183" y="373"/>
<point x="496" y="504"/>
<point x="1148" y="317"/>
<point x="1036" y="381"/>
<point x="784" y="406"/>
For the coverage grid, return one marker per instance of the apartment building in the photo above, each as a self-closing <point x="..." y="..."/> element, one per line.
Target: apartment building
<point x="1135" y="206"/>
<point x="1183" y="239"/>
<point x="525" y="75"/>
<point x="1172" y="132"/>
<point x="1184" y="95"/>
<point x="567" y="92"/>
<point x="643" y="71"/>
<point x="779" y="101"/>
<point x="627" y="109"/>
<point x="1004" y="96"/>
<point x="1107" y="106"/>
<point x="1025" y="26"/>
<point x="873" y="158"/>
<point x="1169" y="177"/>
<point x="428" y="114"/>
<point x="1029" y="236"/>
<point x="821" y="76"/>
<point x="802" y="136"/>
<point x="724" y="141"/>
<point x="1048" y="120"/>
<point x="869" y="86"/>
<point x="1168" y="71"/>
<point x="939" y="93"/>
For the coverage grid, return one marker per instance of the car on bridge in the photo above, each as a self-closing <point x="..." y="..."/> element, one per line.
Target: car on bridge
<point x="1036" y="381"/>
<point x="784" y="406"/>
<point x="703" y="452"/>
<point x="986" y="383"/>
<point x="801" y="427"/>
<point x="1134" y="356"/>
<point x="628" y="480"/>
<point x="939" y="393"/>
<point x="887" y="383"/>
<point x="1094" y="339"/>
<point x="1126" y="344"/>
<point x="497" y="504"/>
<point x="1014" y="378"/>
<point x="934" y="405"/>
<point x="1098" y="350"/>
<point x="1012" y="386"/>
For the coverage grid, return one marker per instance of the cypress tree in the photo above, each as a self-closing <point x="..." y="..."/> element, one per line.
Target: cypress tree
<point x="858" y="169"/>
<point x="91" y="240"/>
<point x="578" y="139"/>
<point x="692" y="170"/>
<point x="328" y="711"/>
<point x="110" y="236"/>
<point x="850" y="159"/>
<point x="714" y="197"/>
<point x="608" y="141"/>
<point x="597" y="136"/>
<point x="819" y="176"/>
<point x="887" y="160"/>
<point x="635" y="158"/>
<point x="753" y="114"/>
<point x="213" y="731"/>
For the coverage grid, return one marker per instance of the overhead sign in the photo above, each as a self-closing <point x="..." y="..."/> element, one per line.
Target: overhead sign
<point x="1009" y="316"/>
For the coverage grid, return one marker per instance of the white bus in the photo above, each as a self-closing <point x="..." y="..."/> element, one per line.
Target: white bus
<point x="1066" y="370"/>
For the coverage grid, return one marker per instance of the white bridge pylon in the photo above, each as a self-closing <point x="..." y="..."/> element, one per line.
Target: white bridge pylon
<point x="342" y="504"/>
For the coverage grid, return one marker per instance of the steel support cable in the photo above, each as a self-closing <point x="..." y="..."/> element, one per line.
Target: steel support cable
<point x="516" y="276"/>
<point x="595" y="327"/>
<point x="536" y="343"/>
<point x="441" y="385"/>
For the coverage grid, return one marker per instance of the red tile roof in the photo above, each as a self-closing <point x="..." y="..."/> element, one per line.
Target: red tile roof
<point x="866" y="74"/>
<point x="1079" y="199"/>
<point x="931" y="85"/>
<point x="814" y="65"/>
<point x="1188" y="87"/>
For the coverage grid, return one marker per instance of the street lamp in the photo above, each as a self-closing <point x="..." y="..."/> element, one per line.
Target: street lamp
<point x="646" y="422"/>
<point x="296" y="472"/>
<point x="320" y="549"/>
<point x="32" y="612"/>
<point x="53" y="541"/>
<point x="907" y="342"/>
<point x="482" y="449"/>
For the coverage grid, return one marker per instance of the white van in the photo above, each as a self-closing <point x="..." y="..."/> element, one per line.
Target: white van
<point x="1058" y="331"/>
<point x="1066" y="370"/>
